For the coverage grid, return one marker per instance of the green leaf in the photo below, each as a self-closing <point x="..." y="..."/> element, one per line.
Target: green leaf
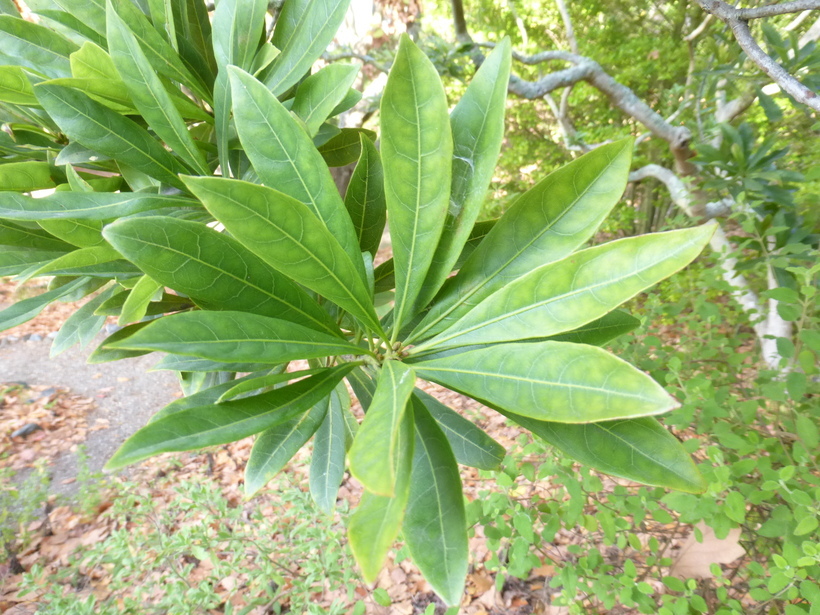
<point x="136" y="305"/>
<point x="239" y="27"/>
<point x="81" y="327"/>
<point x="303" y="31"/>
<point x="85" y="205"/>
<point x="375" y="524"/>
<point x="96" y="127"/>
<point x="345" y="147"/>
<point x="470" y="445"/>
<point x="89" y="12"/>
<point x="36" y="47"/>
<point x="162" y="16"/>
<point x="70" y="21"/>
<point x="364" y="199"/>
<point x="179" y="363"/>
<point x="286" y="235"/>
<point x="104" y="353"/>
<point x="636" y="449"/>
<point x="19" y="236"/>
<point x="374" y="456"/>
<point x="15" y="87"/>
<point x="545" y="224"/>
<point x="13" y="262"/>
<point x="274" y="447"/>
<point x="258" y="383"/>
<point x="417" y="150"/>
<point x="214" y="269"/>
<point x="204" y="397"/>
<point x="477" y="123"/>
<point x="327" y="465"/>
<point x="601" y="330"/>
<point x="236" y="337"/>
<point x="319" y="94"/>
<point x="81" y="233"/>
<point x="284" y="157"/>
<point x="92" y="62"/>
<point x="555" y="381"/>
<point x="78" y="261"/>
<point x="435" y="526"/>
<point x="25" y="176"/>
<point x="198" y="427"/>
<point x="569" y="293"/>
<point x="148" y="93"/>
<point x="25" y="310"/>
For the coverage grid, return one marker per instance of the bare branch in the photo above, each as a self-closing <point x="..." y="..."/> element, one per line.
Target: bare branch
<point x="736" y="19"/>
<point x="562" y="8"/>
<point x="700" y="29"/>
<point x="795" y="23"/>
<point x="352" y="55"/>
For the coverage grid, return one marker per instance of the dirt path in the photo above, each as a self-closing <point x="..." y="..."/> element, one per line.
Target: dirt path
<point x="126" y="393"/>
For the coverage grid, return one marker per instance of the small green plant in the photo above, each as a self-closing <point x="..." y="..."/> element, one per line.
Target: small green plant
<point x="237" y="134"/>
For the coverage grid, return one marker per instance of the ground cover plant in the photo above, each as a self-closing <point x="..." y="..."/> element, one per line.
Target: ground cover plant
<point x="291" y="277"/>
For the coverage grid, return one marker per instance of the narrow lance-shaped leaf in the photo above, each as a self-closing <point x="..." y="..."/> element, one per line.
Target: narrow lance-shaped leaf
<point x="71" y="22"/>
<point x="276" y="377"/>
<point x="319" y="94"/>
<point x="274" y="447"/>
<point x="97" y="127"/>
<point x="214" y="270"/>
<point x="364" y="199"/>
<point x="35" y="46"/>
<point x="15" y="87"/>
<point x="236" y="35"/>
<point x="469" y="443"/>
<point x="25" y="176"/>
<point x="85" y="205"/>
<point x="327" y="465"/>
<point x="341" y="147"/>
<point x="286" y="235"/>
<point x="601" y="330"/>
<point x="375" y="524"/>
<point x="81" y="327"/>
<point x="374" y="456"/>
<point x="29" y="238"/>
<point x="417" y="150"/>
<point x="81" y="233"/>
<point x="195" y="428"/>
<point x="84" y="257"/>
<point x="285" y="159"/>
<point x="14" y="261"/>
<point x="553" y="381"/>
<point x="25" y="310"/>
<point x="635" y="449"/>
<point x="148" y="93"/>
<point x="303" y="31"/>
<point x="136" y="305"/>
<point x="569" y="293"/>
<point x="477" y="123"/>
<point x="235" y="337"/>
<point x="545" y="224"/>
<point x="435" y="525"/>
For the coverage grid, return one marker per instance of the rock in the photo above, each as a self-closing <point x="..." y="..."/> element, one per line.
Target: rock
<point x="36" y="337"/>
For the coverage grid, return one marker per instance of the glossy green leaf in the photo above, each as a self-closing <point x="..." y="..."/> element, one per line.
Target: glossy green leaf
<point x="81" y="327"/>
<point x="435" y="525"/>
<point x="236" y="337"/>
<point x="198" y="427"/>
<point x="92" y="62"/>
<point x="417" y="150"/>
<point x="236" y="36"/>
<point x="374" y="456"/>
<point x="545" y="224"/>
<point x="214" y="269"/>
<point x="284" y="158"/>
<point x="303" y="31"/>
<point x="30" y="238"/>
<point x="25" y="310"/>
<point x="319" y="94"/>
<point x="203" y="397"/>
<point x="477" y="123"/>
<point x="601" y="330"/>
<point x="327" y="465"/>
<point x="569" y="293"/>
<point x="180" y="363"/>
<point x="555" y="381"/>
<point x="36" y="47"/>
<point x="72" y="22"/>
<point x="364" y="198"/>
<point x="15" y="87"/>
<point x="286" y="234"/>
<point x="78" y="259"/>
<point x="81" y="233"/>
<point x="14" y="261"/>
<point x="375" y="524"/>
<point x="162" y="16"/>
<point x="165" y="60"/>
<point x="193" y="26"/>
<point x="148" y="93"/>
<point x="274" y="447"/>
<point x="136" y="305"/>
<point x="344" y="147"/>
<point x="25" y="177"/>
<point x="101" y="129"/>
<point x="635" y="449"/>
<point x="89" y="12"/>
<point x="85" y="205"/>
<point x="469" y="443"/>
<point x="258" y="383"/>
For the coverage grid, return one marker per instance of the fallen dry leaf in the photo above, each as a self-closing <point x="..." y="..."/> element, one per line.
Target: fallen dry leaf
<point x="696" y="557"/>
